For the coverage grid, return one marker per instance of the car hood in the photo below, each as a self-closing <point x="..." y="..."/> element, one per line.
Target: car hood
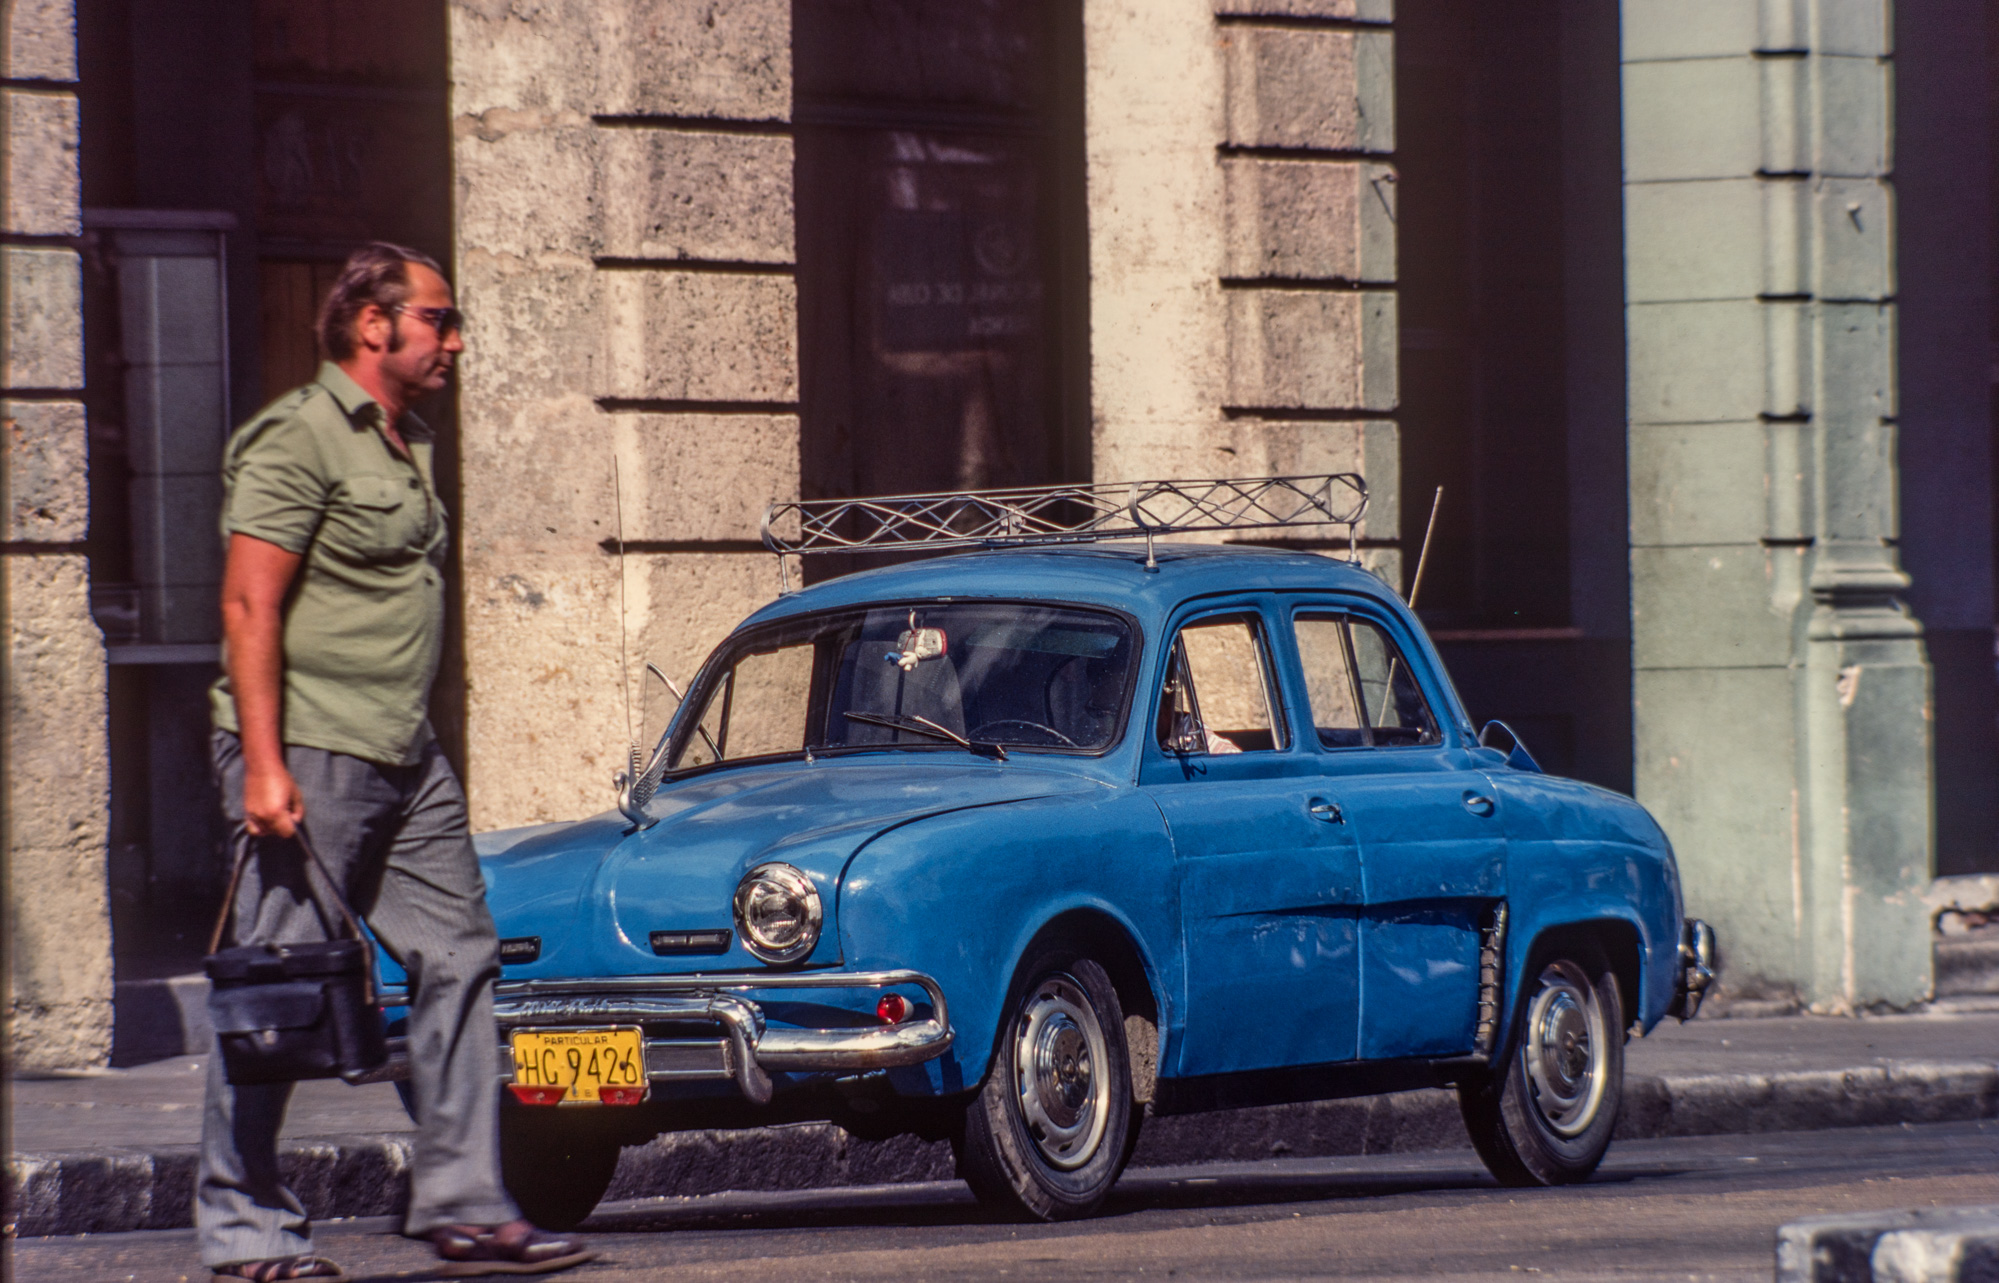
<point x="594" y="891"/>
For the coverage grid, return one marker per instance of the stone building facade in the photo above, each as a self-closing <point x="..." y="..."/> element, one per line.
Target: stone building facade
<point x="1622" y="280"/>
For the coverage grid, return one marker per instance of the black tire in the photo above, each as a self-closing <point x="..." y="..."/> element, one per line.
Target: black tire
<point x="556" y="1162"/>
<point x="1544" y="1115"/>
<point x="1049" y="1143"/>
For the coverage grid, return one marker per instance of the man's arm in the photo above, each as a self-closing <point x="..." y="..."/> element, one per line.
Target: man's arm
<point x="255" y="579"/>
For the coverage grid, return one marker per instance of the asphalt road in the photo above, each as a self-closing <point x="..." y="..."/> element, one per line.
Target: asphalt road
<point x="1704" y="1208"/>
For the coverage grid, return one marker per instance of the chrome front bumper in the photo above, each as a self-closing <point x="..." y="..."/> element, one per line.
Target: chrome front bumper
<point x="746" y="1049"/>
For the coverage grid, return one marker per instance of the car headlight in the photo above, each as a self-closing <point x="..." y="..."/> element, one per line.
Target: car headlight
<point x="778" y="913"/>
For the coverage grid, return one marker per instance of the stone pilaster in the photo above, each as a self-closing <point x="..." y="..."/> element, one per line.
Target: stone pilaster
<point x="1782" y="713"/>
<point x="55" y="773"/>
<point x="1242" y="242"/>
<point x="625" y="254"/>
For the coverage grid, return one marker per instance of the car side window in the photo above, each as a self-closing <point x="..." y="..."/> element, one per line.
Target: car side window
<point x="1219" y="692"/>
<point x="758" y="710"/>
<point x="1396" y="711"/>
<point x="1327" y="656"/>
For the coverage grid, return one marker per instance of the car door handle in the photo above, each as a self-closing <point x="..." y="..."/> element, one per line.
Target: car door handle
<point x="1320" y="809"/>
<point x="1478" y="803"/>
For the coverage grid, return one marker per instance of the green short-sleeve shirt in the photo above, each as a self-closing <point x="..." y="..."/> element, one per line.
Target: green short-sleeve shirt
<point x="364" y="624"/>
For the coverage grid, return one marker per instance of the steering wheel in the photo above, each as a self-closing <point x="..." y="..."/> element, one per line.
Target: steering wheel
<point x="979" y="732"/>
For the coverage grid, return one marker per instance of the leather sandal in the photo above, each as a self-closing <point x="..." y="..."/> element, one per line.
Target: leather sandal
<point x="280" y="1268"/>
<point x="471" y="1251"/>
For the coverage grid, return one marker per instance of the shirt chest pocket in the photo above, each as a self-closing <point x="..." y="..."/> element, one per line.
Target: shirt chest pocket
<point x="378" y="518"/>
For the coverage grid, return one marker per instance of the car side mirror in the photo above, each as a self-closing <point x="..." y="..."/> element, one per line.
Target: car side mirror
<point x="1499" y="737"/>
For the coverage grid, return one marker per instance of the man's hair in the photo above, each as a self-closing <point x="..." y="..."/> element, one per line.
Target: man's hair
<point x="376" y="273"/>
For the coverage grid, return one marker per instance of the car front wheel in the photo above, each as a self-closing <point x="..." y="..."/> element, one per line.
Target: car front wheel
<point x="1046" y="1136"/>
<point x="556" y="1162"/>
<point x="1545" y="1114"/>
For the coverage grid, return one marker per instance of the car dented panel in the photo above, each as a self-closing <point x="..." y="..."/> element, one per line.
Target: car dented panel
<point x="961" y="896"/>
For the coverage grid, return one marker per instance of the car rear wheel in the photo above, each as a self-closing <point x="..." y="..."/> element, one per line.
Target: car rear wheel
<point x="556" y="1162"/>
<point x="1047" y="1135"/>
<point x="1545" y="1114"/>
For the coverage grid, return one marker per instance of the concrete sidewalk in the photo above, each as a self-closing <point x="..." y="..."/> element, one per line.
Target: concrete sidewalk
<point x="114" y="1150"/>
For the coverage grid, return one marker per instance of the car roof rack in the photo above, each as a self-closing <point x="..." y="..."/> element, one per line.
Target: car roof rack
<point x="1065" y="515"/>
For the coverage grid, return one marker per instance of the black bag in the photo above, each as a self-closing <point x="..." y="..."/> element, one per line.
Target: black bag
<point x="291" y="1011"/>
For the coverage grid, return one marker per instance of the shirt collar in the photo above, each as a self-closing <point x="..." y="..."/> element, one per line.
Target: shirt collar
<point x="362" y="408"/>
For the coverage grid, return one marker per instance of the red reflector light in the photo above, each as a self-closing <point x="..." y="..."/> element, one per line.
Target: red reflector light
<point x="893" y="1009"/>
<point x="537" y="1095"/>
<point x="621" y="1095"/>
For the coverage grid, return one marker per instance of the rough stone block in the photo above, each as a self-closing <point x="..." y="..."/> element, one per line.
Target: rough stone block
<point x="543" y="58"/>
<point x="545" y="714"/>
<point x="1856" y="111"/>
<point x="43" y="340"/>
<point x="706" y="476"/>
<point x="40" y="41"/>
<point x="41" y="183"/>
<point x="56" y="798"/>
<point x="524" y="177"/>
<point x="1697" y="362"/>
<point x="534" y="333"/>
<point x="1697" y="483"/>
<point x="1718" y="606"/>
<point x="1310" y="219"/>
<point x="1695" y="118"/>
<point x="1290" y="448"/>
<point x="1857" y="28"/>
<point x="1671" y="29"/>
<point x="1312" y="349"/>
<point x="700" y="336"/>
<point x="729" y="58"/>
<point x="679" y="194"/>
<point x="1697" y="240"/>
<point x="1853" y="252"/>
<point x="46" y="499"/>
<point x="1716" y="765"/>
<point x="1288" y="87"/>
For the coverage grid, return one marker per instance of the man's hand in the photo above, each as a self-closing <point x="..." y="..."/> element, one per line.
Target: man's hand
<point x="272" y="804"/>
<point x="254" y="581"/>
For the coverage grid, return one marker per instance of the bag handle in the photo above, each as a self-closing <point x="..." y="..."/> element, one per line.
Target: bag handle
<point x="347" y="914"/>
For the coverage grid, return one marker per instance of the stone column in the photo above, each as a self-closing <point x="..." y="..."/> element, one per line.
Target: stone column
<point x="1242" y="242"/>
<point x="1781" y="690"/>
<point x="56" y="780"/>
<point x="625" y="256"/>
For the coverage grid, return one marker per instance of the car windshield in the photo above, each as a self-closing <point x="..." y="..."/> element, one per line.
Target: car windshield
<point x="1028" y="676"/>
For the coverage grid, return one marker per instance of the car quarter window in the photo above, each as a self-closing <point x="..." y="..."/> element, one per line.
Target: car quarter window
<point x="1327" y="657"/>
<point x="1396" y="711"/>
<point x="1218" y="696"/>
<point x="758" y="709"/>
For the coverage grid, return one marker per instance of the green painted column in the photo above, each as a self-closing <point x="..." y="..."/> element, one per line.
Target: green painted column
<point x="1781" y="689"/>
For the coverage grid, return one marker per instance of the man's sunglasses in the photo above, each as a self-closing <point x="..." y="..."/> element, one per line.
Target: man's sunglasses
<point x="445" y="320"/>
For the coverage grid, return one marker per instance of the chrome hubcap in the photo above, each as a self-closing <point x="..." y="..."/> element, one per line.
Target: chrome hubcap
<point x="1564" y="1050"/>
<point x="1059" y="1061"/>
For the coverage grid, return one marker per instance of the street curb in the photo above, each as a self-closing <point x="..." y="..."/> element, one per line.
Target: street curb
<point x="108" y="1191"/>
<point x="1922" y="1245"/>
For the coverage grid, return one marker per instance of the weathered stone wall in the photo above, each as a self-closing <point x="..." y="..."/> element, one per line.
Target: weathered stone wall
<point x="625" y="255"/>
<point x="1781" y="690"/>
<point x="55" y="777"/>
<point x="1242" y="242"/>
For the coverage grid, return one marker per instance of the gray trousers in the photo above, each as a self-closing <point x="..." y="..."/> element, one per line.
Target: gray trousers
<point x="396" y="838"/>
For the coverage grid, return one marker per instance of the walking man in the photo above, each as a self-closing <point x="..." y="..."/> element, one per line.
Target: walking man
<point x="333" y="614"/>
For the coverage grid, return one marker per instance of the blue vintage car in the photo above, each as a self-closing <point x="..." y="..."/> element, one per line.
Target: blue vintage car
<point x="1017" y="845"/>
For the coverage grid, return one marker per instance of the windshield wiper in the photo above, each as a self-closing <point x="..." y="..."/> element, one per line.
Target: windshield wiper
<point x="924" y="726"/>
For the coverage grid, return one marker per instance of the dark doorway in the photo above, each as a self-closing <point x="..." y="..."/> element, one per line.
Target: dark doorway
<point x="234" y="152"/>
<point x="1512" y="364"/>
<point x="941" y="273"/>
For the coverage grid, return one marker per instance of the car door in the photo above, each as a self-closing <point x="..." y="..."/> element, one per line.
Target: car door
<point x="1432" y="845"/>
<point x="1269" y="876"/>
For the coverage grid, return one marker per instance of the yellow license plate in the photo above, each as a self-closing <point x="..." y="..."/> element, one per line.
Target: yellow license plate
<point x="583" y="1061"/>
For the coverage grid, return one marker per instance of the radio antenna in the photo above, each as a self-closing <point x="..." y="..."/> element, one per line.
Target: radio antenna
<point x="624" y="649"/>
<point x="1423" y="557"/>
